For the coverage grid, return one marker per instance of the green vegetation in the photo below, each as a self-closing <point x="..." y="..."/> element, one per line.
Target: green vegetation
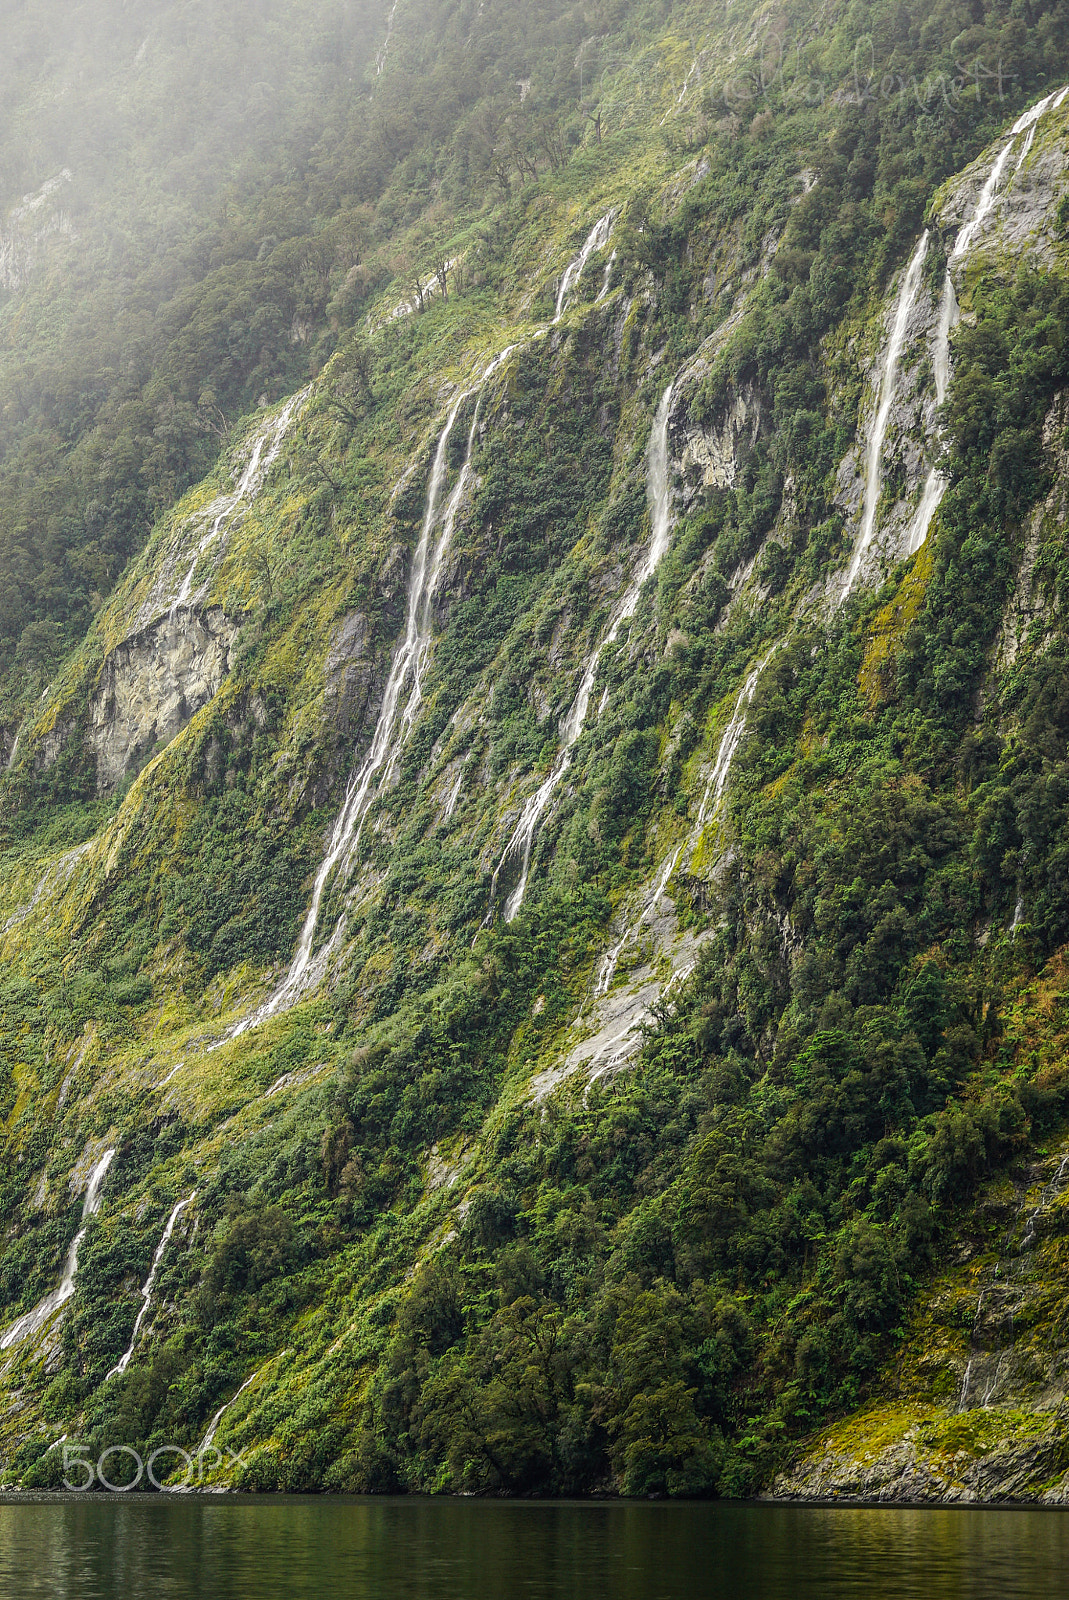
<point x="440" y="1253"/>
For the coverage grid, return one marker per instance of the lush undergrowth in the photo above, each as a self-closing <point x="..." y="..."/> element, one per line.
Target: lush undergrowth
<point x="657" y="1282"/>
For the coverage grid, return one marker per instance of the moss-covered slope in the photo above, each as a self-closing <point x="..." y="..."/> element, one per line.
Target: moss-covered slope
<point x="563" y="935"/>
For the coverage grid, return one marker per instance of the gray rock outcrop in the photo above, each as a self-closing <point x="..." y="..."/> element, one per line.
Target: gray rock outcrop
<point x="152" y="684"/>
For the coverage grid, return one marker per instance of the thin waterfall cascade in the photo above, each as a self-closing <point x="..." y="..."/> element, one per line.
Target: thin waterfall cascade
<point x="907" y="299"/>
<point x="609" y="961"/>
<point x="596" y="239"/>
<point x="1026" y="123"/>
<point x="659" y="496"/>
<point x="266" y="447"/>
<point x="934" y="489"/>
<point x="964" y="1395"/>
<point x="401" y="701"/>
<point x="729" y="744"/>
<point x="149" y="1284"/>
<point x="213" y="1426"/>
<point x="946" y="323"/>
<point x="54" y="878"/>
<point x="1048" y="1194"/>
<point x="34" y="1320"/>
<point x="936" y="482"/>
<point x="441" y="548"/>
<point x="1030" y="120"/>
<point x="710" y="804"/>
<point x="380" y="59"/>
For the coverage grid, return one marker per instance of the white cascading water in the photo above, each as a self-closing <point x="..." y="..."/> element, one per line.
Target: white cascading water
<point x="55" y="876"/>
<point x="380" y="59"/>
<point x="213" y="1426"/>
<point x="149" y="1284"/>
<point x="711" y="799"/>
<point x="659" y="494"/>
<point x="596" y="239"/>
<point x="396" y="721"/>
<point x="1048" y="1193"/>
<point x="400" y="703"/>
<point x="34" y="1320"/>
<point x="265" y="451"/>
<point x="729" y="744"/>
<point x="907" y="299"/>
<point x="936" y="483"/>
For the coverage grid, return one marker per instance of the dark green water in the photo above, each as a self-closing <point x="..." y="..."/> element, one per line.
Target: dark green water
<point x="274" y="1549"/>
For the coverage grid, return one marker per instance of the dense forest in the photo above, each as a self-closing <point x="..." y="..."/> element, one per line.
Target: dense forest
<point x="564" y="1006"/>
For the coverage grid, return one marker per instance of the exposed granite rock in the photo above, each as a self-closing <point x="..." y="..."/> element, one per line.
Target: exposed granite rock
<point x="1019" y="1456"/>
<point x="350" y="674"/>
<point x="31" y="228"/>
<point x="152" y="684"/>
<point x="712" y="454"/>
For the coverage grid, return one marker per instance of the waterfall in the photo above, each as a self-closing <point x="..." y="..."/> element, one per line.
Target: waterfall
<point x="984" y="203"/>
<point x="611" y="957"/>
<point x="1049" y="1192"/>
<point x="380" y="59"/>
<point x="907" y="297"/>
<point x="964" y="1395"/>
<point x="936" y="483"/>
<point x="659" y="495"/>
<point x="149" y="1284"/>
<point x="401" y="701"/>
<point x="714" y="792"/>
<point x="1026" y="122"/>
<point x="596" y="239"/>
<point x="213" y="1426"/>
<point x="269" y="439"/>
<point x="34" y="1320"/>
<point x="1030" y="120"/>
<point x="54" y="878"/>
<point x="206" y="1442"/>
<point x="714" y="789"/>
<point x="948" y="320"/>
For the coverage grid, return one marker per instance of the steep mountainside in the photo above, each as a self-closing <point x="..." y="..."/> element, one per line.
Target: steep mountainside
<point x="534" y="902"/>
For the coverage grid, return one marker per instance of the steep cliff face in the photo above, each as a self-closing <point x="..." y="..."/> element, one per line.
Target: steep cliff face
<point x="150" y="687"/>
<point x="40" y="223"/>
<point x="976" y="1410"/>
<point x="561" y="838"/>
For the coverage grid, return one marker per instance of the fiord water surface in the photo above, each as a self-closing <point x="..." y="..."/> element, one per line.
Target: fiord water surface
<point x="275" y="1549"/>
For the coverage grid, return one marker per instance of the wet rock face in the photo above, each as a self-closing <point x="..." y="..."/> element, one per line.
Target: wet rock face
<point x="350" y="675"/>
<point x="152" y="684"/>
<point x="1028" y="612"/>
<point x="978" y="1409"/>
<point x="713" y="453"/>
<point x="30" y="229"/>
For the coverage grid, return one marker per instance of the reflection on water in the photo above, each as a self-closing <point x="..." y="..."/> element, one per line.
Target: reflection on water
<point x="275" y="1549"/>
